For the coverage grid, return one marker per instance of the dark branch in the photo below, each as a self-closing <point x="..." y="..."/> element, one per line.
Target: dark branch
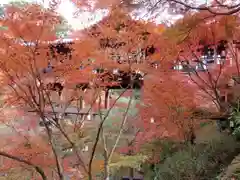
<point x="37" y="168"/>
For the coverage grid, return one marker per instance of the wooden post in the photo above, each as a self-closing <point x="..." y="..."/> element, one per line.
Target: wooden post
<point x="106" y="99"/>
<point x="81" y="102"/>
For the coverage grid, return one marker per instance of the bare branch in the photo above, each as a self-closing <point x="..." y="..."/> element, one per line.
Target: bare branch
<point x="98" y="134"/>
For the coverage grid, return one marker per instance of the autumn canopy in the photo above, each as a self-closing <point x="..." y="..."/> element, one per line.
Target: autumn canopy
<point x="86" y="108"/>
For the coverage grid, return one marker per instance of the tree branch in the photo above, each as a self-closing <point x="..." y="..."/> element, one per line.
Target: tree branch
<point x="98" y="135"/>
<point x="37" y="168"/>
<point x="120" y="130"/>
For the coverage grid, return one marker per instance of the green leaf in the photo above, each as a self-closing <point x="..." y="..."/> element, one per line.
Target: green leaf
<point x="128" y="161"/>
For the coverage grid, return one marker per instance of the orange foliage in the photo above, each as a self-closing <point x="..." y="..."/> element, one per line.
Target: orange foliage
<point x="167" y="97"/>
<point x="31" y="22"/>
<point x="168" y="106"/>
<point x="190" y="37"/>
<point x="32" y="149"/>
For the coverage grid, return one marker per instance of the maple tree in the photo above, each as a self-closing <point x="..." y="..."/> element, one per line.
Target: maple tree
<point x="121" y="43"/>
<point x="33" y="66"/>
<point x="174" y="111"/>
<point x="29" y="30"/>
<point x="197" y="34"/>
<point x="205" y="51"/>
<point x="169" y="113"/>
<point x="170" y="101"/>
<point x="52" y="81"/>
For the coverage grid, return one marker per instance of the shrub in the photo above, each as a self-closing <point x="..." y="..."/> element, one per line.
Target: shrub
<point x="199" y="162"/>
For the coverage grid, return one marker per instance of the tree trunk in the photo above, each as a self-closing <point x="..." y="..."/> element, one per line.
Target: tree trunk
<point x="236" y="62"/>
<point x="131" y="173"/>
<point x="106" y="171"/>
